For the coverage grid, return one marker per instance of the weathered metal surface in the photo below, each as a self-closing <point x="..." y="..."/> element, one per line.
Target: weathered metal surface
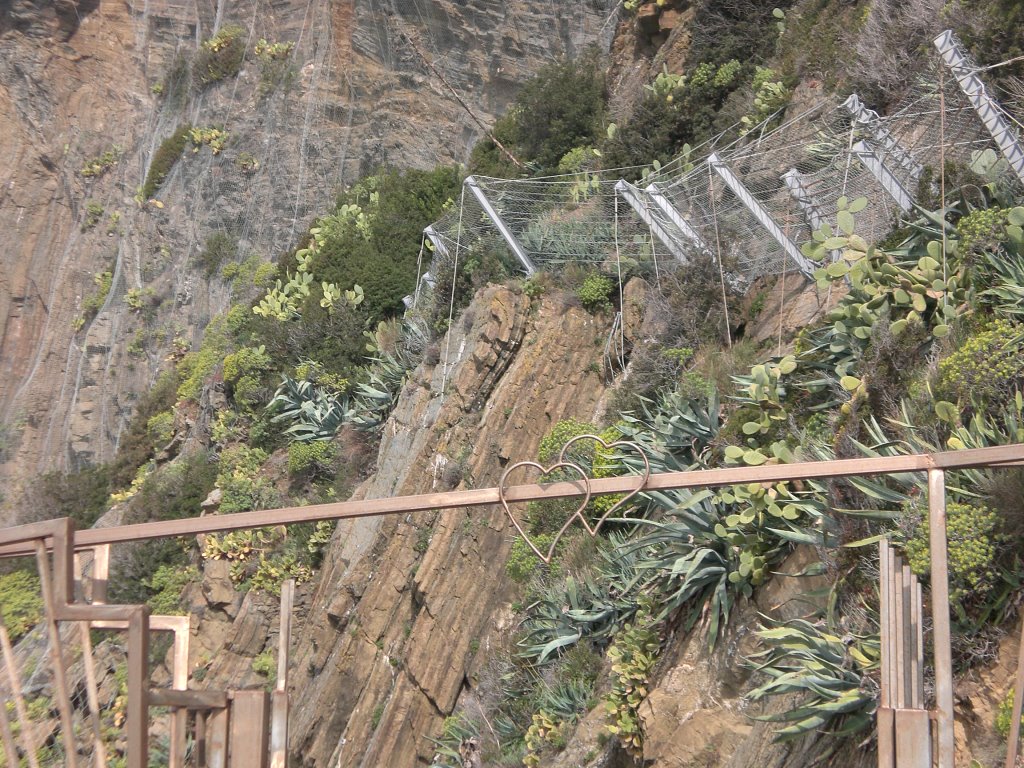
<point x="886" y="737"/>
<point x="28" y="737"/>
<point x="250" y="713"/>
<point x="137" y="707"/>
<point x="1013" y="746"/>
<point x="217" y="738"/>
<point x="499" y="224"/>
<point x="633" y="198"/>
<point x="941" y="636"/>
<point x="865" y="152"/>
<point x="99" y="748"/>
<point x="60" y="682"/>
<point x="913" y="738"/>
<point x="169" y="697"/>
<point x="279" y="699"/>
<point x="764" y="218"/>
<point x="995" y="456"/>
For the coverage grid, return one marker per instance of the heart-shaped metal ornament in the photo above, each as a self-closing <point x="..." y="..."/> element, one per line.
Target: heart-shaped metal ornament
<point x="577" y="513"/>
<point x="593" y="529"/>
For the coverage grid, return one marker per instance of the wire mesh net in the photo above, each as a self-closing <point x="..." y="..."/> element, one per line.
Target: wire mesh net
<point x="748" y="199"/>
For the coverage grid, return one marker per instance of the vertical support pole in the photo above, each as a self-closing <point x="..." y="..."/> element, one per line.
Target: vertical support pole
<point x="1013" y="747"/>
<point x="764" y="218"/>
<point x="137" y="715"/>
<point x="1005" y="136"/>
<point x="885" y="177"/>
<point x="248" y="743"/>
<point x="279" y="703"/>
<point x="217" y="737"/>
<point x="50" y="589"/>
<point x="179" y="682"/>
<point x="900" y="645"/>
<point x="886" y="731"/>
<point x="99" y="749"/>
<point x="798" y="190"/>
<point x="940" y="616"/>
<point x="10" y="751"/>
<point x="28" y="741"/>
<point x="100" y="572"/>
<point x="496" y="219"/>
<point x="672" y="214"/>
<point x="631" y="195"/>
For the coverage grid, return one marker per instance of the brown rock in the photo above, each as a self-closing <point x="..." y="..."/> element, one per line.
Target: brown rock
<point x="647" y="19"/>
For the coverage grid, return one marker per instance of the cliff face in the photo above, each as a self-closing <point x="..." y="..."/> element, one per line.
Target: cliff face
<point x="81" y="79"/>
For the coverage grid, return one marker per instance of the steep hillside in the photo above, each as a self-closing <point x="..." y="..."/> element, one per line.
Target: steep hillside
<point x="99" y="285"/>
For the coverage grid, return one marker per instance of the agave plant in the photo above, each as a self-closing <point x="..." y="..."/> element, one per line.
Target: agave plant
<point x="832" y="672"/>
<point x="315" y="413"/>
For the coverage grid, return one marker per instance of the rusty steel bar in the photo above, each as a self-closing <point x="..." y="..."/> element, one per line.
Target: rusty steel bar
<point x="28" y="741"/>
<point x="1013" y="746"/>
<point x="900" y="643"/>
<point x="279" y="698"/>
<point x="940" y="617"/>
<point x="217" y="738"/>
<point x="10" y="750"/>
<point x="137" y="714"/>
<point x="913" y="738"/>
<point x="60" y="683"/>
<point x="179" y="682"/>
<point x="171" y="697"/>
<point x="249" y="729"/>
<point x="995" y="456"/>
<point x="884" y="716"/>
<point x="99" y="749"/>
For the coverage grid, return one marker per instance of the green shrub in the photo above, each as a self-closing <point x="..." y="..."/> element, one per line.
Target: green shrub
<point x="973" y="534"/>
<point x="136" y="446"/>
<point x="214" y="138"/>
<point x="633" y="655"/>
<point x="1004" y="715"/>
<point x="219" y="57"/>
<point x="195" y="367"/>
<point x="21" y="602"/>
<point x="315" y="458"/>
<point x="99" y="165"/>
<point x="265" y="664"/>
<point x="986" y="367"/>
<point x="242" y="487"/>
<point x="161" y="428"/>
<point x="94" y="302"/>
<point x="560" y="109"/>
<point x="522" y="563"/>
<point x="561" y="433"/>
<point x="80" y="495"/>
<point x="167" y="585"/>
<point x="164" y="158"/>
<point x="595" y="292"/>
<point x="93" y="214"/>
<point x="276" y="67"/>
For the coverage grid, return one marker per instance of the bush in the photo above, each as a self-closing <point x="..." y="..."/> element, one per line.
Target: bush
<point x="560" y="109"/>
<point x="986" y="367"/>
<point x="99" y="165"/>
<point x="220" y="56"/>
<point x="136" y="446"/>
<point x="21" y="602"/>
<point x="80" y="495"/>
<point x="974" y="537"/>
<point x="242" y="487"/>
<point x="164" y="158"/>
<point x="315" y="458"/>
<point x="1004" y="715"/>
<point x="595" y="292"/>
<point x="167" y="585"/>
<point x="633" y="655"/>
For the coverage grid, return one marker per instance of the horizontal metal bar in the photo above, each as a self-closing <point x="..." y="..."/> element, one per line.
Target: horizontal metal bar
<point x="167" y="697"/>
<point x="995" y="456"/>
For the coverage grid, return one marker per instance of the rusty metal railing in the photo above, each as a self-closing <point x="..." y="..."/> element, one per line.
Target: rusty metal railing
<point x="59" y="538"/>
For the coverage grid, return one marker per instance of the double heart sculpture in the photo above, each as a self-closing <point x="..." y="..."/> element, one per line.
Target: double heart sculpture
<point x="564" y="463"/>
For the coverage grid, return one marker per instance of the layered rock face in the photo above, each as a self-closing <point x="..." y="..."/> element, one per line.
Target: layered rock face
<point x="80" y="81"/>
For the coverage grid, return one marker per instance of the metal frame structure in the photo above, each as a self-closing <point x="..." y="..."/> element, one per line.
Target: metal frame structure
<point x="60" y="538"/>
<point x="886" y="178"/>
<point x="1004" y="135"/>
<point x="665" y="205"/>
<point x="631" y="195"/>
<point x="500" y="225"/>
<point x="764" y="218"/>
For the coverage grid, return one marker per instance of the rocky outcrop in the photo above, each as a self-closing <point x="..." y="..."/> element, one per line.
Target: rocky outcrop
<point x="81" y="79"/>
<point x="405" y="608"/>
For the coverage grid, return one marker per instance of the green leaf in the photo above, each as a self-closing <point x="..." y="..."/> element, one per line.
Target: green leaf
<point x="754" y="458"/>
<point x="849" y="383"/>
<point x="858" y="205"/>
<point x="845" y="221"/>
<point x="946" y="411"/>
<point x="1016" y="216"/>
<point x="940" y="331"/>
<point x="865" y="542"/>
<point x="751" y="428"/>
<point x="834" y="243"/>
<point x="837" y="269"/>
<point x="734" y="452"/>
<point x="898" y="327"/>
